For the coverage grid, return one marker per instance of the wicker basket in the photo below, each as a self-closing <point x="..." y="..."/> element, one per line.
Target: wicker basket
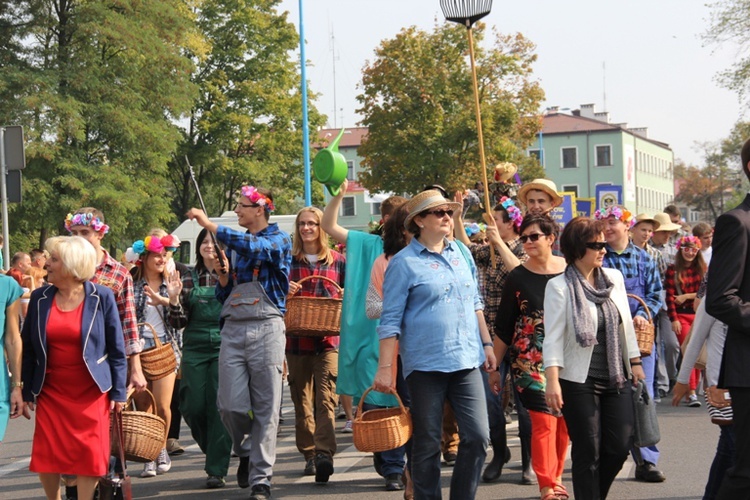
<point x="144" y="432"/>
<point x="644" y="335"/>
<point x="159" y="361"/>
<point x="314" y="316"/>
<point x="381" y="429"/>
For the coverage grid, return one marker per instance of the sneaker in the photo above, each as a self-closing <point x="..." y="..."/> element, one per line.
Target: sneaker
<point x="149" y="470"/>
<point x="243" y="472"/>
<point x="693" y="401"/>
<point x="163" y="462"/>
<point x="347" y="427"/>
<point x="323" y="468"/>
<point x="309" y="468"/>
<point x="450" y="458"/>
<point x="341" y="414"/>
<point x="174" y="447"/>
<point x="214" y="482"/>
<point x="260" y="492"/>
<point x="393" y="482"/>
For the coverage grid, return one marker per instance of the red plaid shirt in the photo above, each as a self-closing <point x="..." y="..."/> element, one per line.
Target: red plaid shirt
<point x="316" y="288"/>
<point x="116" y="277"/>
<point x="691" y="282"/>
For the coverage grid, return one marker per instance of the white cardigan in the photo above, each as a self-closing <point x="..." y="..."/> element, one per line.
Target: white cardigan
<point x="560" y="345"/>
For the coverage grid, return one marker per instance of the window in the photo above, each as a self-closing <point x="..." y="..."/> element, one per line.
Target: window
<point x="604" y="156"/>
<point x="570" y="188"/>
<point x="375" y="208"/>
<point x="569" y="157"/>
<point x="536" y="153"/>
<point x="350" y="170"/>
<point x="347" y="207"/>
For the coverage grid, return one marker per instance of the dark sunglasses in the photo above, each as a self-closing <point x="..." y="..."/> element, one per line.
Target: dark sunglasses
<point x="531" y="237"/>
<point x="441" y="213"/>
<point x="596" y="245"/>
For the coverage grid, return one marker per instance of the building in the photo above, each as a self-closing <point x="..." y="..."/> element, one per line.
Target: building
<point x="582" y="150"/>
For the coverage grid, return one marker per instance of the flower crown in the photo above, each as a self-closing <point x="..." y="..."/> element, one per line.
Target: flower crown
<point x="472" y="228"/>
<point x="153" y="244"/>
<point x="686" y="241"/>
<point x="86" y="219"/>
<point x="514" y="213"/>
<point x="619" y="213"/>
<point x="254" y="196"/>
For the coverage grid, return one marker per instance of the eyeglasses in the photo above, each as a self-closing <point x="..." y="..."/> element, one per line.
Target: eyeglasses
<point x="531" y="237"/>
<point x="302" y="224"/>
<point x="243" y="205"/>
<point x="441" y="213"/>
<point x="596" y="245"/>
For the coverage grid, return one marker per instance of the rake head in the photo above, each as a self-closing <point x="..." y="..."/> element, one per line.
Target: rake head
<point x="465" y="12"/>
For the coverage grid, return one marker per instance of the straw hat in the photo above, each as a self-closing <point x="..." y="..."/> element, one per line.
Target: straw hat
<point x="425" y="201"/>
<point x="544" y="185"/>
<point x="647" y="218"/>
<point x="665" y="223"/>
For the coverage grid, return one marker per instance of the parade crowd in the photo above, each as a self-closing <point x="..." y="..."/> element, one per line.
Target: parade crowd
<point x="459" y="320"/>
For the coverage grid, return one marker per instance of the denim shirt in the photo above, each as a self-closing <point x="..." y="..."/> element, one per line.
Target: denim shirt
<point x="430" y="302"/>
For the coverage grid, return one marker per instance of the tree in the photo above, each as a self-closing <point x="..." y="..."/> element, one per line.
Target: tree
<point x="98" y="86"/>
<point x="246" y="125"/>
<point x="418" y="103"/>
<point x="730" y="22"/>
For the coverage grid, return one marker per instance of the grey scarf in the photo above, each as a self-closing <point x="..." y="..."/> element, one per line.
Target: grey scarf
<point x="585" y="326"/>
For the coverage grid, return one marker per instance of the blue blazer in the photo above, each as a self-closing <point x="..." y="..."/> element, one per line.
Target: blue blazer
<point x="101" y="340"/>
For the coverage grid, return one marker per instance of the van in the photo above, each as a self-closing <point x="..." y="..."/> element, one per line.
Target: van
<point x="188" y="231"/>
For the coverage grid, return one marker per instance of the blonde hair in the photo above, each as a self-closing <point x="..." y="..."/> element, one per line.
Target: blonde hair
<point x="77" y="255"/>
<point x="325" y="256"/>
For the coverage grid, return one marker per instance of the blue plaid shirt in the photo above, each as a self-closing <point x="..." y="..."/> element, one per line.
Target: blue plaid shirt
<point x="269" y="251"/>
<point x="633" y="262"/>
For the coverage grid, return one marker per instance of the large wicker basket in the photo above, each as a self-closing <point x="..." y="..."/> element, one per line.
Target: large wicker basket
<point x="382" y="429"/>
<point x="159" y="361"/>
<point x="644" y="335"/>
<point x="144" y="432"/>
<point x="314" y="316"/>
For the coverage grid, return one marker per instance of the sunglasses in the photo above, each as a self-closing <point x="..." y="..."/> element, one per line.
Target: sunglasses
<point x="531" y="237"/>
<point x="441" y="213"/>
<point x="596" y="245"/>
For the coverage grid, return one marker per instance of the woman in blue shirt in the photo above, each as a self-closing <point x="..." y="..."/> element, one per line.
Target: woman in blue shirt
<point x="431" y="304"/>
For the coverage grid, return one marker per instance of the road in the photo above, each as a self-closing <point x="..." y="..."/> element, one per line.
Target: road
<point x="687" y="446"/>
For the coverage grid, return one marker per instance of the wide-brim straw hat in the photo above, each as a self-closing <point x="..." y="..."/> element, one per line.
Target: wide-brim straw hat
<point x="665" y="223"/>
<point x="544" y="185"/>
<point x="427" y="200"/>
<point x="647" y="218"/>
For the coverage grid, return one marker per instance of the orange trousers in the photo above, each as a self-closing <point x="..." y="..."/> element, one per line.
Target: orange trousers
<point x="549" y="445"/>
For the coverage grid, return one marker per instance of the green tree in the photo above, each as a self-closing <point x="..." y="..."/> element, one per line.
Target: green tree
<point x="246" y="125"/>
<point x="418" y="103"/>
<point x="730" y="22"/>
<point x="98" y="86"/>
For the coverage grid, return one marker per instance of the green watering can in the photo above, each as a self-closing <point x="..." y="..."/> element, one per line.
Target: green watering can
<point x="329" y="166"/>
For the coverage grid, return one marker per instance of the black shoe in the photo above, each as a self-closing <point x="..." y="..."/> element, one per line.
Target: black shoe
<point x="494" y="469"/>
<point x="243" y="472"/>
<point x="260" y="492"/>
<point x="309" y="467"/>
<point x="393" y="482"/>
<point x="450" y="458"/>
<point x="323" y="468"/>
<point x="214" y="482"/>
<point x="648" y="473"/>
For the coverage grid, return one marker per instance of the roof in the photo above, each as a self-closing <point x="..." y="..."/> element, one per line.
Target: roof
<point x="561" y="123"/>
<point x="352" y="138"/>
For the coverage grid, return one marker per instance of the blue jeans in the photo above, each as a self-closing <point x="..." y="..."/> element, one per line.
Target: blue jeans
<point x="463" y="389"/>
<point x="723" y="460"/>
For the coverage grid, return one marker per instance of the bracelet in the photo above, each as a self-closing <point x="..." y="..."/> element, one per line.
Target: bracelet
<point x="385" y="366"/>
<point x="636" y="363"/>
<point x="17" y="384"/>
<point x="487" y="344"/>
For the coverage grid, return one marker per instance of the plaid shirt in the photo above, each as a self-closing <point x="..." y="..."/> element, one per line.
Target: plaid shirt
<point x="659" y="259"/>
<point x="668" y="253"/>
<point x="116" y="277"/>
<point x="492" y="280"/>
<point x="691" y="282"/>
<point x="265" y="256"/>
<point x="316" y="288"/>
<point x="632" y="263"/>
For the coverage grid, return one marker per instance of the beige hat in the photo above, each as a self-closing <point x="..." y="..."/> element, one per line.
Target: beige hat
<point x="544" y="185"/>
<point x="425" y="201"/>
<point x="665" y="223"/>
<point x="646" y="218"/>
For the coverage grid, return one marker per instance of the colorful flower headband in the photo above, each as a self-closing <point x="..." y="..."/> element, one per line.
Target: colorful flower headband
<point x="687" y="241"/>
<point x="152" y="244"/>
<point x="514" y="213"/>
<point x="472" y="228"/>
<point x="618" y="213"/>
<point x="254" y="196"/>
<point x="86" y="220"/>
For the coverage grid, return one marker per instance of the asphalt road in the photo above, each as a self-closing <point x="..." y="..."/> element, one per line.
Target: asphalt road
<point x="687" y="447"/>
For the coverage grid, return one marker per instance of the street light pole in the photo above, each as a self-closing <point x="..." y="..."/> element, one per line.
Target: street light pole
<point x="305" y="124"/>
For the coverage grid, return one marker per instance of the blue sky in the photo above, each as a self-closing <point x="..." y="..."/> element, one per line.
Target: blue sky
<point x="658" y="72"/>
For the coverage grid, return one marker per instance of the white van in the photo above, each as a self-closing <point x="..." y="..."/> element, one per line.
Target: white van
<point x="188" y="231"/>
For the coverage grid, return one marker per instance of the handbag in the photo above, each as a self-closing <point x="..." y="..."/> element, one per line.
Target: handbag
<point x="114" y="485"/>
<point x="646" y="428"/>
<point x="719" y="404"/>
